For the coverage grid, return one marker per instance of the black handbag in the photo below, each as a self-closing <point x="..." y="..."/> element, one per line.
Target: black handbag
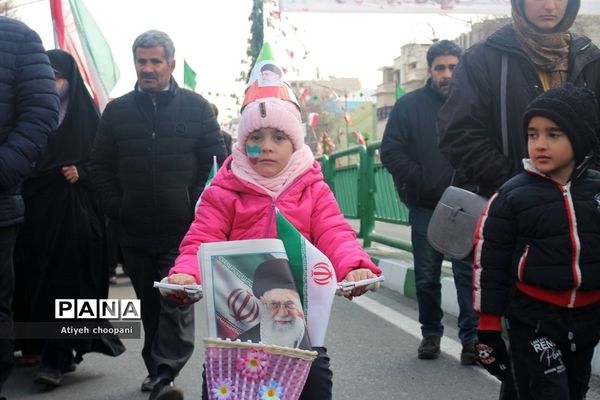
<point x="452" y="226"/>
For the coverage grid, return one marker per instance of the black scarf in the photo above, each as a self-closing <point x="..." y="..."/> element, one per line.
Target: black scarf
<point x="72" y="141"/>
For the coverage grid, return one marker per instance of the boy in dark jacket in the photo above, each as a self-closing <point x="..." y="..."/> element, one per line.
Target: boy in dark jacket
<point x="536" y="255"/>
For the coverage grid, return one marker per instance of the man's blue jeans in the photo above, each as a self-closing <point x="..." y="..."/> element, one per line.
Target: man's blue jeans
<point x="428" y="265"/>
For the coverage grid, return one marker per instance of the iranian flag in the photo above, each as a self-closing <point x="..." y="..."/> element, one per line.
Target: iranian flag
<point x="211" y="175"/>
<point x="77" y="33"/>
<point x="314" y="276"/>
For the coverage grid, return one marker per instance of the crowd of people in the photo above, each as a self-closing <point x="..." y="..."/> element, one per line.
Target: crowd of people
<point x="514" y="118"/>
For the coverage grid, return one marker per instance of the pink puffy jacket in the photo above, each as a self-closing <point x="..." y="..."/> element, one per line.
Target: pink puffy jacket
<point x="232" y="209"/>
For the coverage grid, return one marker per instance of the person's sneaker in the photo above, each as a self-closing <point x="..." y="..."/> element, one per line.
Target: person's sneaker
<point x="148" y="384"/>
<point x="48" y="376"/>
<point x="429" y="349"/>
<point x="468" y="355"/>
<point x="112" y="279"/>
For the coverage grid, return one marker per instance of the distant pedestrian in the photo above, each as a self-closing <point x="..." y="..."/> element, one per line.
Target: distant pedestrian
<point x="152" y="155"/>
<point x="421" y="174"/>
<point x="28" y="115"/>
<point x="226" y="135"/>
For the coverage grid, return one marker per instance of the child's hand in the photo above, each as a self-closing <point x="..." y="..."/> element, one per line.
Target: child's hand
<point x="182" y="279"/>
<point x="181" y="296"/>
<point x="357" y="275"/>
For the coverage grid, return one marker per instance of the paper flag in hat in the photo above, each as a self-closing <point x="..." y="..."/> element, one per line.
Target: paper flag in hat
<point x="266" y="79"/>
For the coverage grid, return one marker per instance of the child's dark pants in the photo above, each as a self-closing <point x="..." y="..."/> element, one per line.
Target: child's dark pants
<point x="551" y="348"/>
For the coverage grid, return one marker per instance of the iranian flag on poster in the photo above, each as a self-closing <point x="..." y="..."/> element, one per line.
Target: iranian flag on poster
<point x="228" y="271"/>
<point x="314" y="276"/>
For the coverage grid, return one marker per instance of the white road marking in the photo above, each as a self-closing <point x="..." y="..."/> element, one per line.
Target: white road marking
<point x="449" y="346"/>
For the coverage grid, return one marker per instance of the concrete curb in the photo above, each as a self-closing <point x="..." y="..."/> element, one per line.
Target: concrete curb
<point x="400" y="277"/>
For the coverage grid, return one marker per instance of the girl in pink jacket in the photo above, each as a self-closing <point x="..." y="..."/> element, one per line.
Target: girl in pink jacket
<point x="271" y="168"/>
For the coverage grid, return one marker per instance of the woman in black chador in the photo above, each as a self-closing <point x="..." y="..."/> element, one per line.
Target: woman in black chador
<point x="61" y="249"/>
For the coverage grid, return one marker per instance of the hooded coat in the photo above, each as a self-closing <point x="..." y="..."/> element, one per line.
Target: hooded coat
<point x="469" y="122"/>
<point x="61" y="251"/>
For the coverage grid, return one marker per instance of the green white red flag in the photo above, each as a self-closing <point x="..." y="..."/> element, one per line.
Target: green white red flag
<point x="315" y="279"/>
<point x="267" y="79"/>
<point x="211" y="175"/>
<point x="77" y="33"/>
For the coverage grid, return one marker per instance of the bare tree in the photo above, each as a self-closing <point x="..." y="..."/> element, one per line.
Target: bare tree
<point x="7" y="8"/>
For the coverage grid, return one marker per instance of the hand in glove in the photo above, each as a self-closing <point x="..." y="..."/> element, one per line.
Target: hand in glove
<point x="492" y="353"/>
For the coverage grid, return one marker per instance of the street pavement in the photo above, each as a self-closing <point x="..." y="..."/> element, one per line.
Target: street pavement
<point x="372" y="342"/>
<point x="372" y="357"/>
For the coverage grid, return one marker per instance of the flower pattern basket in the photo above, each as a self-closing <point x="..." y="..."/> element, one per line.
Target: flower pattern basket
<point x="238" y="370"/>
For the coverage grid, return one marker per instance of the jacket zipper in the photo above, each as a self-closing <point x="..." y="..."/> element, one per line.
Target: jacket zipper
<point x="153" y="136"/>
<point x="522" y="263"/>
<point x="274" y="208"/>
<point x="269" y="218"/>
<point x="575" y="244"/>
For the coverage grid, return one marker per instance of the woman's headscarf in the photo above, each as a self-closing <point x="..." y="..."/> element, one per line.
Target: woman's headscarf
<point x="72" y="141"/>
<point x="548" y="51"/>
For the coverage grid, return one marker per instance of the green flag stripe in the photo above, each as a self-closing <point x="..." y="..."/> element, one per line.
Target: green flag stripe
<point x="189" y="76"/>
<point x="293" y="242"/>
<point x="96" y="45"/>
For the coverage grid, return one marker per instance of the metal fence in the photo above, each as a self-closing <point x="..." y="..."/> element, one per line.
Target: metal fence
<point x="365" y="191"/>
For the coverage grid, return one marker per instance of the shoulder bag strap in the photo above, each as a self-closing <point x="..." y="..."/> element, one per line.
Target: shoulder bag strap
<point x="503" y="117"/>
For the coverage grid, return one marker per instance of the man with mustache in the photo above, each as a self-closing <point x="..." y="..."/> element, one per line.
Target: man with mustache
<point x="151" y="158"/>
<point x="281" y="318"/>
<point x="421" y="173"/>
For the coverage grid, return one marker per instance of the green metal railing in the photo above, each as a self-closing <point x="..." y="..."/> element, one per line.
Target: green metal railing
<point x="365" y="191"/>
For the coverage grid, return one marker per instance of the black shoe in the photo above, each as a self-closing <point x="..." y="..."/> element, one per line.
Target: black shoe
<point x="164" y="390"/>
<point x="48" y="376"/>
<point x="429" y="349"/>
<point x="148" y="384"/>
<point x="468" y="355"/>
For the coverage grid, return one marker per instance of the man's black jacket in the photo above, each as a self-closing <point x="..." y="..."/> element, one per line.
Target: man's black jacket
<point x="149" y="163"/>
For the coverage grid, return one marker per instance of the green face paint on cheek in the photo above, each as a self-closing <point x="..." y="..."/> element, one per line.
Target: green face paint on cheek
<point x="253" y="151"/>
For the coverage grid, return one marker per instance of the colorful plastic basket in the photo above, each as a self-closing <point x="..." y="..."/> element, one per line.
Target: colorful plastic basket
<point x="238" y="370"/>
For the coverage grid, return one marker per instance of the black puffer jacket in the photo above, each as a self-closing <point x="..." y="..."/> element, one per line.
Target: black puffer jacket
<point x="409" y="148"/>
<point x="469" y="122"/>
<point x="542" y="236"/>
<point x="149" y="167"/>
<point x="28" y="112"/>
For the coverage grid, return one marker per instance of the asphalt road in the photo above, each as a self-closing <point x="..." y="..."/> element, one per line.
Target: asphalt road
<point x="372" y="342"/>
